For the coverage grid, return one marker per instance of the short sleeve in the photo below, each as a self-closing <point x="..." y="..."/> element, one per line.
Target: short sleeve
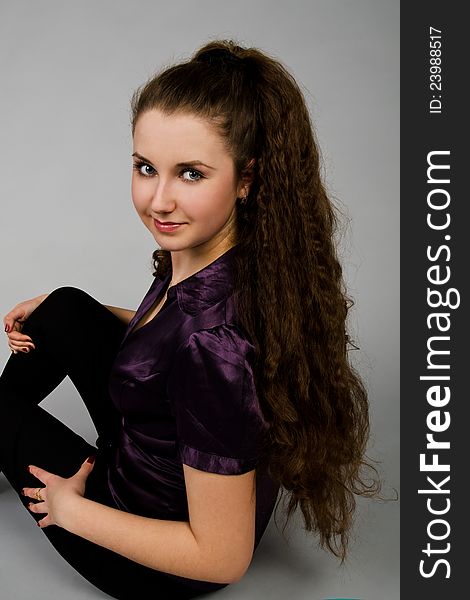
<point x="213" y="397"/>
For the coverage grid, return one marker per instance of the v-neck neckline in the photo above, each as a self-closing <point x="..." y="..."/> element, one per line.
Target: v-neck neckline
<point x="137" y="327"/>
<point x="190" y="287"/>
<point x="147" y="307"/>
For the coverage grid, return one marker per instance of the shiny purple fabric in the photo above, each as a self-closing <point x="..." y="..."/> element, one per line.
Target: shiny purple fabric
<point x="184" y="385"/>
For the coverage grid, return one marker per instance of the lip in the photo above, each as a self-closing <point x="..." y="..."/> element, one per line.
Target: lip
<point x="167" y="225"/>
<point x="167" y="222"/>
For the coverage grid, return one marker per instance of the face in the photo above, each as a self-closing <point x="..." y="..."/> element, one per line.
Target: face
<point x="183" y="174"/>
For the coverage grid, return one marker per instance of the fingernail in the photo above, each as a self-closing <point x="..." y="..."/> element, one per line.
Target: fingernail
<point x="7" y="328"/>
<point x="25" y="349"/>
<point x="91" y="459"/>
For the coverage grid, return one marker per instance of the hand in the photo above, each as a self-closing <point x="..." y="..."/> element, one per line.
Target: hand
<point x="57" y="491"/>
<point x="13" y="324"/>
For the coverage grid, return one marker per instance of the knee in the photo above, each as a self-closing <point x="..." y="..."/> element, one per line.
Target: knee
<point x="66" y="294"/>
<point x="57" y="307"/>
<point x="66" y="297"/>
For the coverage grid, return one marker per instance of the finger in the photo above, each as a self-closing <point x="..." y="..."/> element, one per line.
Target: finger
<point x="86" y="466"/>
<point x="22" y="344"/>
<point x="29" y="492"/>
<point x="9" y="320"/>
<point x="39" y="473"/>
<point x="32" y="493"/>
<point x="16" y="344"/>
<point x="17" y="326"/>
<point x="44" y="522"/>
<point x="17" y="348"/>
<point x="38" y="507"/>
<point x="22" y="349"/>
<point x="17" y="336"/>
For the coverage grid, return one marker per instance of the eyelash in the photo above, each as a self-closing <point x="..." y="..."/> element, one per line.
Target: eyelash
<point x="139" y="164"/>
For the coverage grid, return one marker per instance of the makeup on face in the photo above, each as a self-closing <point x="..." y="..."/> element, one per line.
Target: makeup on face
<point x="184" y="186"/>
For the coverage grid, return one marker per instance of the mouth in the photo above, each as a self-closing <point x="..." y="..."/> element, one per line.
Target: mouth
<point x="166" y="226"/>
<point x="167" y="222"/>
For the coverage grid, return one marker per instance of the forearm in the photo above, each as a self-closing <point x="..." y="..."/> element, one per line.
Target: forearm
<point x="124" y="314"/>
<point x="168" y="546"/>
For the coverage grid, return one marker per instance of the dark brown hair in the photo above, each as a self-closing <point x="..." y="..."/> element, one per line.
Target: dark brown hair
<point x="290" y="295"/>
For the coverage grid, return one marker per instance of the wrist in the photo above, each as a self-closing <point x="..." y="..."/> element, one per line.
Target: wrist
<point x="69" y="512"/>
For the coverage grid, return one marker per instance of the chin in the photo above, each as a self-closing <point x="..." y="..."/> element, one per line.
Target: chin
<point x="170" y="245"/>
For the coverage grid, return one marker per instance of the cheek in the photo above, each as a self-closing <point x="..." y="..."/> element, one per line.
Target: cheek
<point x="210" y="210"/>
<point x="217" y="203"/>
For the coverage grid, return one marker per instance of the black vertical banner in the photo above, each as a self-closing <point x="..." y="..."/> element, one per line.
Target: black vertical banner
<point x="435" y="259"/>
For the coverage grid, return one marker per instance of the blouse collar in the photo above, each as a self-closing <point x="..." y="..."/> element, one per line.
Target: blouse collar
<point x="207" y="286"/>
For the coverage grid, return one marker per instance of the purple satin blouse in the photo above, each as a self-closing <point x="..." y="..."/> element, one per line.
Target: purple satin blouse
<point x="184" y="386"/>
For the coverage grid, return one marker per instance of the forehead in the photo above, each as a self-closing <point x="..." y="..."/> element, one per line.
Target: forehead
<point x="158" y="132"/>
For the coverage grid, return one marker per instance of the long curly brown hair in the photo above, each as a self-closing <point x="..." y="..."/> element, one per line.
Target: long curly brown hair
<point x="290" y="294"/>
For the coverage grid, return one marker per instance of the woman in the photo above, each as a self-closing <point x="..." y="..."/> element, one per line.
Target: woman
<point x="230" y="382"/>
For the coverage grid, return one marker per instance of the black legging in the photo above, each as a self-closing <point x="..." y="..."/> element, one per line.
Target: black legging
<point x="74" y="335"/>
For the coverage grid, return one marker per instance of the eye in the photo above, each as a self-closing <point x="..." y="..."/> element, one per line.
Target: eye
<point x="146" y="170"/>
<point x="194" y="172"/>
<point x="143" y="169"/>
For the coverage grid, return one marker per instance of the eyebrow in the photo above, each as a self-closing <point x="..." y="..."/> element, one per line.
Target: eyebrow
<point x="190" y="163"/>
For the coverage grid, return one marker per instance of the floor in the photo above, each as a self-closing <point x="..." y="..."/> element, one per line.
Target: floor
<point x="30" y="567"/>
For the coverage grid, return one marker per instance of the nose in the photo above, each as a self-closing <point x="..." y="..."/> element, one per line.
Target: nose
<point x="163" y="200"/>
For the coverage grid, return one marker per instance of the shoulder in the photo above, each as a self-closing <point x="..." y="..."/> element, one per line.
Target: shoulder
<point x="221" y="354"/>
<point x="213" y="395"/>
<point x="224" y="340"/>
<point x="212" y="326"/>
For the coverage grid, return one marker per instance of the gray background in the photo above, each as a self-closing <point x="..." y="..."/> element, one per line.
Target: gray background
<point x="67" y="72"/>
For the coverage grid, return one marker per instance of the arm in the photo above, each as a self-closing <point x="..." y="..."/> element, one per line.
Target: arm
<point x="215" y="545"/>
<point x="124" y="314"/>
